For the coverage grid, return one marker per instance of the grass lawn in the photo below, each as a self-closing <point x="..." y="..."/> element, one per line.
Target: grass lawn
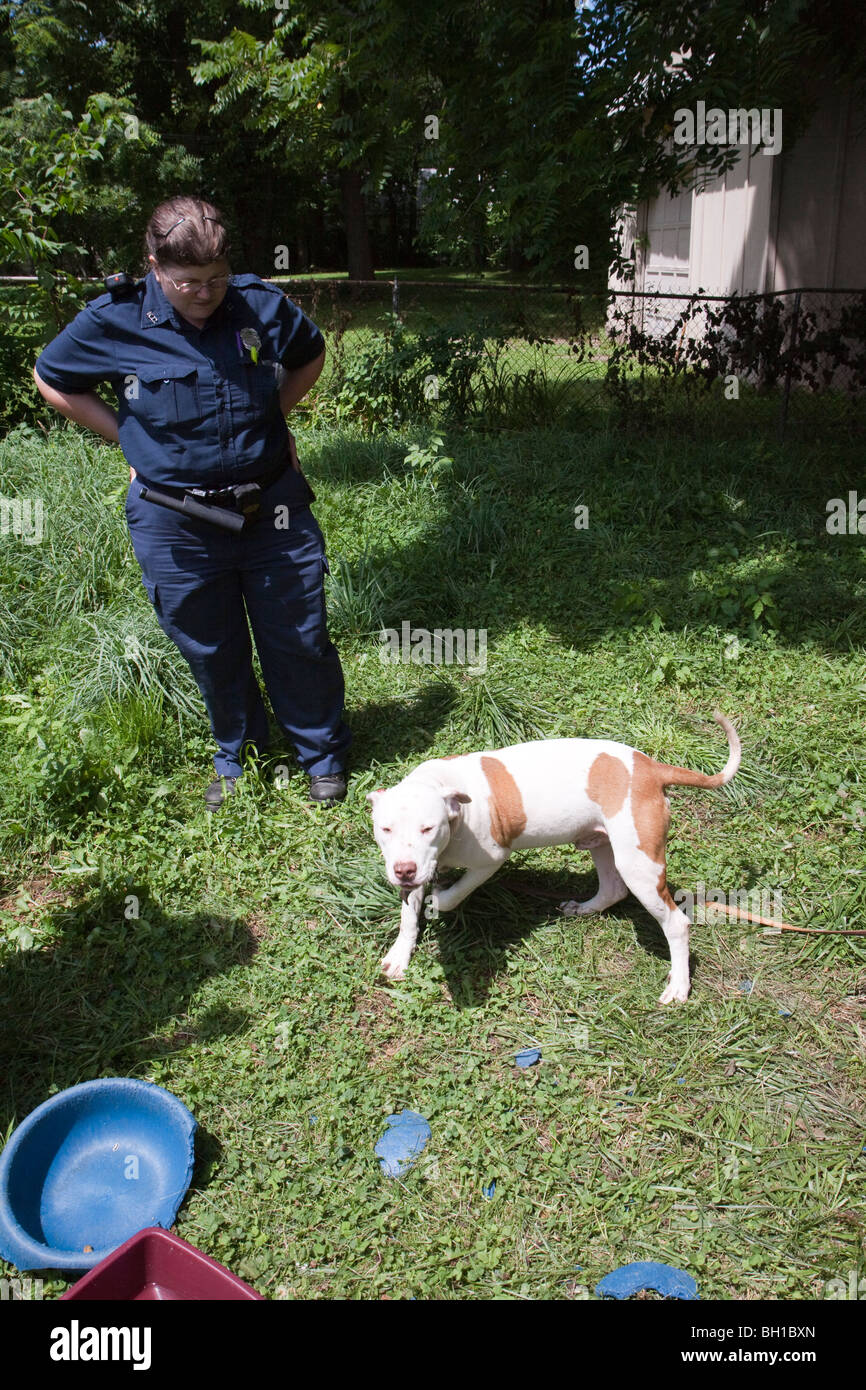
<point x="234" y="959"/>
<point x="502" y="306"/>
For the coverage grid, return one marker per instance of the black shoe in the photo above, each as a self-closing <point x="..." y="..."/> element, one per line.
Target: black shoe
<point x="330" y="786"/>
<point x="216" y="795"/>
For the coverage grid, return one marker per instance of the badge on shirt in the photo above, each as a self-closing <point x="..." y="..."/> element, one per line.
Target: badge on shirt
<point x="250" y="339"/>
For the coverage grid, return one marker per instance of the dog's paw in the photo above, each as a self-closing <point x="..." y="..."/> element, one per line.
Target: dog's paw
<point x="675" y="993"/>
<point x="394" y="966"/>
<point x="576" y="909"/>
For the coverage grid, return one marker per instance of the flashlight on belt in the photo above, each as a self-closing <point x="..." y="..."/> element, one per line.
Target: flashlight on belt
<point x="217" y="516"/>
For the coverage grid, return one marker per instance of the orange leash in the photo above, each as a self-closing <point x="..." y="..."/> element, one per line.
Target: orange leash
<point x="782" y="926"/>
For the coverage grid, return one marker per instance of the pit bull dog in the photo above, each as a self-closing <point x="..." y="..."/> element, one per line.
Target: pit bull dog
<point x="471" y="811"/>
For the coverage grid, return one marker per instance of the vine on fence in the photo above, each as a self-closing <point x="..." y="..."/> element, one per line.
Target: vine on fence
<point x="760" y="339"/>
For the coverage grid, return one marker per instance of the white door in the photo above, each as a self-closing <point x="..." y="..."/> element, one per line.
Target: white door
<point x="666" y="260"/>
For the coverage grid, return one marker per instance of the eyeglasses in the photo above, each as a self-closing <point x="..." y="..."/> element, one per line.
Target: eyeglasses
<point x="218" y="282"/>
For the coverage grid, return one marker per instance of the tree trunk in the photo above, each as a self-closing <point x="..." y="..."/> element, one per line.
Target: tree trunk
<point x="359" y="252"/>
<point x="393" y="230"/>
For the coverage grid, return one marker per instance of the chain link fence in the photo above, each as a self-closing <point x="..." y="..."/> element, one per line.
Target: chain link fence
<point x="513" y="356"/>
<point x="803" y="348"/>
<point x="795" y="360"/>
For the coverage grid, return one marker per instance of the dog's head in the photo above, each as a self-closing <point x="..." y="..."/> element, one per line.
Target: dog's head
<point x="412" y="825"/>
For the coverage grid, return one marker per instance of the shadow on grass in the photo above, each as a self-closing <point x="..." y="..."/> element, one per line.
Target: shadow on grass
<point x="676" y="536"/>
<point x="477" y="941"/>
<point x="108" y="998"/>
<point x="398" y="729"/>
<point x="387" y="732"/>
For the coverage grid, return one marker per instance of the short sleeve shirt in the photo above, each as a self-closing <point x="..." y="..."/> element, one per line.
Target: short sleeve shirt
<point x="196" y="406"/>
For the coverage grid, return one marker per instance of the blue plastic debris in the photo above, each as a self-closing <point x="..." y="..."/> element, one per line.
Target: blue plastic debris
<point x="745" y="986"/>
<point x="489" y="1190"/>
<point x="785" y="1013"/>
<point x="405" y="1138"/>
<point x="528" y="1057"/>
<point x="647" y="1274"/>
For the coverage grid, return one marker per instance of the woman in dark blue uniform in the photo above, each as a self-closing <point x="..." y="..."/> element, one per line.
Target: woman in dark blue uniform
<point x="205" y="366"/>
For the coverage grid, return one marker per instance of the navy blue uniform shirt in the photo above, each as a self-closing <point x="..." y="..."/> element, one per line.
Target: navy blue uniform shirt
<point x="194" y="409"/>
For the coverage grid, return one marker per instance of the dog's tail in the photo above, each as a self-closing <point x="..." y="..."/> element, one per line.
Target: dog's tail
<point x="671" y="776"/>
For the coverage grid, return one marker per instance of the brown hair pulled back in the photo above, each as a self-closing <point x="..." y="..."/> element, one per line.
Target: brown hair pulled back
<point x="185" y="231"/>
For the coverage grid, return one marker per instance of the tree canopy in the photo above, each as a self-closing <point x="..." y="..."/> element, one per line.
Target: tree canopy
<point x="309" y="122"/>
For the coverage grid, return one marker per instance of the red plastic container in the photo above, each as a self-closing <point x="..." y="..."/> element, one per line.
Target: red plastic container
<point x="156" y="1266"/>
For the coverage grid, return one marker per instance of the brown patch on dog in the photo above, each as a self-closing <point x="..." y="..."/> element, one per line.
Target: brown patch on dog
<point x="663" y="891"/>
<point x="607" y="784"/>
<point x="649" y="807"/>
<point x="671" y="776"/>
<point x="507" y="815"/>
<point x="448" y="757"/>
<point x="685" y="777"/>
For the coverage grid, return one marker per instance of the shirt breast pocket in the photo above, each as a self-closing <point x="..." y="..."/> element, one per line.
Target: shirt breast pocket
<point x="168" y="394"/>
<point x="253" y="389"/>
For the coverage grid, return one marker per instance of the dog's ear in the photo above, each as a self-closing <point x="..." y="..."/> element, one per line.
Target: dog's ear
<point x="453" y="800"/>
<point x="373" y="797"/>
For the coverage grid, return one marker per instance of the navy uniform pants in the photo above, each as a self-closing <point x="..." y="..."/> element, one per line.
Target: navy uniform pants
<point x="204" y="582"/>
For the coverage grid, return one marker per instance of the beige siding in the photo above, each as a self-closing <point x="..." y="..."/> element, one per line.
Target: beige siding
<point x="818" y="231"/>
<point x="792" y="220"/>
<point x="730" y="220"/>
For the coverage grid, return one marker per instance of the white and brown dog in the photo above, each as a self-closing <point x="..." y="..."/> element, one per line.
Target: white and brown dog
<point x="471" y="811"/>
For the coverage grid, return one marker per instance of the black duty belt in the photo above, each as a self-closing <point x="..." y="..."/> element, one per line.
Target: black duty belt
<point x="232" y="507"/>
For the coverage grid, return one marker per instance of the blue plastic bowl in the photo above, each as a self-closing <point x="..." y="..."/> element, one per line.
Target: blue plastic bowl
<point x="90" y="1167"/>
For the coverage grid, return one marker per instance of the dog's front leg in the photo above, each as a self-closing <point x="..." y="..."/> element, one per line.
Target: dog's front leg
<point x="394" y="964"/>
<point x="448" y="898"/>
